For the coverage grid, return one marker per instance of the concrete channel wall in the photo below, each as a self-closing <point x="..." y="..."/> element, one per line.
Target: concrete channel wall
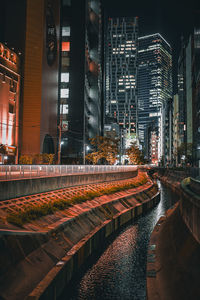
<point x="190" y="206"/>
<point x="51" y="287"/>
<point x="23" y="187"/>
<point x="174" y="249"/>
<point x="188" y="190"/>
<point x="39" y="265"/>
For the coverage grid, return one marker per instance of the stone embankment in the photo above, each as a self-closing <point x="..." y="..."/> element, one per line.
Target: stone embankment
<point x="37" y="264"/>
<point x="174" y="250"/>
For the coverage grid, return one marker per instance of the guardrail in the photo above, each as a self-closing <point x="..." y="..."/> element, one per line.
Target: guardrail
<point x="193" y="172"/>
<point x="8" y="172"/>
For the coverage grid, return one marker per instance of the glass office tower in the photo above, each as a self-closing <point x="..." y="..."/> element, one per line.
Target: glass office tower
<point x="121" y="72"/>
<point x="154" y="86"/>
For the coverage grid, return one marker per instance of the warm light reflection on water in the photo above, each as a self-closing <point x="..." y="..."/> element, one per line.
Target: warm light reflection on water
<point x="120" y="271"/>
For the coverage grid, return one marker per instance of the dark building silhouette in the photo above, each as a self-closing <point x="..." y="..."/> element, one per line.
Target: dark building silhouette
<point x="80" y="95"/>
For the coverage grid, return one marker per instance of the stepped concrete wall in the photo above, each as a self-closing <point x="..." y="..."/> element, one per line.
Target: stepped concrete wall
<point x="38" y="265"/>
<point x="29" y="186"/>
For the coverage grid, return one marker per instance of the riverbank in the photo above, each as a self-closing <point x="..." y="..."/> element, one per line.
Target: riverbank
<point x="37" y="264"/>
<point x="173" y="270"/>
<point x="174" y="254"/>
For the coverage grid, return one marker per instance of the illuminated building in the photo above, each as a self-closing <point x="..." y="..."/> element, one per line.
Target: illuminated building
<point x="153" y="146"/>
<point x="121" y="72"/>
<point x="167" y="127"/>
<point x="176" y="140"/>
<point x="40" y="83"/>
<point x="154" y="82"/>
<point x="9" y="105"/>
<point x="80" y="77"/>
<point x="36" y="35"/>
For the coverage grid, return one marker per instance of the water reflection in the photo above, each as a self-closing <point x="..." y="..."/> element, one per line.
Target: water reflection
<point x="120" y="272"/>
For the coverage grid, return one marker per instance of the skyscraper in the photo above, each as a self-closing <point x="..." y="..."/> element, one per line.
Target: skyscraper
<point x="154" y="87"/>
<point x="80" y="76"/>
<point x="121" y="72"/>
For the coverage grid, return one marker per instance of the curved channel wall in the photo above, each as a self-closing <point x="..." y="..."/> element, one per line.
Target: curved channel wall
<point x="29" y="186"/>
<point x="39" y="265"/>
<point x="174" y="250"/>
<point x="189" y="191"/>
<point x="190" y="205"/>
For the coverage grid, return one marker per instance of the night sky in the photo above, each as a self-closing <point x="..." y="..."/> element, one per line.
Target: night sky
<point x="171" y="19"/>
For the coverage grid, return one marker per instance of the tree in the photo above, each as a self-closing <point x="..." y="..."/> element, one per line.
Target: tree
<point x="106" y="149"/>
<point x="135" y="155"/>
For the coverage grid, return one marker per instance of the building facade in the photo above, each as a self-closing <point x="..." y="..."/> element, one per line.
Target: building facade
<point x="80" y="77"/>
<point x="154" y="86"/>
<point x="9" y="105"/>
<point x="40" y="73"/>
<point x="167" y="127"/>
<point x="121" y="73"/>
<point x="196" y="97"/>
<point x="188" y="93"/>
<point x="176" y="140"/>
<point x="36" y="36"/>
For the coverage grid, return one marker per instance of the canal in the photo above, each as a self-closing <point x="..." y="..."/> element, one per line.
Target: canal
<point x="119" y="270"/>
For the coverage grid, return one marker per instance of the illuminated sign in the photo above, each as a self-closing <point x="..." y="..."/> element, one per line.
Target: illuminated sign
<point x="8" y="55"/>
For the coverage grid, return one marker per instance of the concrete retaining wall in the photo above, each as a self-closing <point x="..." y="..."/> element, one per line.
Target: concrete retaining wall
<point x="173" y="260"/>
<point x="49" y="260"/>
<point x="23" y="187"/>
<point x="51" y="287"/>
<point x="190" y="206"/>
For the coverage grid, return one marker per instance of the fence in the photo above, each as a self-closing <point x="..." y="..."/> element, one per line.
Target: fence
<point x="8" y="172"/>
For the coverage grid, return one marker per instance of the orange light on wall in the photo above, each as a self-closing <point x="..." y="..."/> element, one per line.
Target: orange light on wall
<point x="65" y="46"/>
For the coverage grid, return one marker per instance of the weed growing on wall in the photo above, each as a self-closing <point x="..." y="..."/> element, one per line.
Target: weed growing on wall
<point x="33" y="212"/>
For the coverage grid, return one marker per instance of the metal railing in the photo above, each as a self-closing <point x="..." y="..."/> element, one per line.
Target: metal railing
<point x="10" y="172"/>
<point x="193" y="172"/>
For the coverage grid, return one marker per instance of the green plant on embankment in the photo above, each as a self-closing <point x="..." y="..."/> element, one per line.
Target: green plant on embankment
<point x="33" y="212"/>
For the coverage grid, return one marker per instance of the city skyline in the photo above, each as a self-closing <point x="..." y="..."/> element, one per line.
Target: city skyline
<point x="171" y="19"/>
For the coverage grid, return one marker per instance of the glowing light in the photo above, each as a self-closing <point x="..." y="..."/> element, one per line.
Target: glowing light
<point x="65" y="46"/>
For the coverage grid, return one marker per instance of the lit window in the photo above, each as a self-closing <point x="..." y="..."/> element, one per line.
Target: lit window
<point x="65" y="46"/>
<point x="64" y="93"/>
<point x="64" y="77"/>
<point x="66" y="31"/>
<point x="64" y="109"/>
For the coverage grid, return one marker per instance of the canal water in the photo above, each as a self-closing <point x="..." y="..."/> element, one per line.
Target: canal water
<point x="119" y="270"/>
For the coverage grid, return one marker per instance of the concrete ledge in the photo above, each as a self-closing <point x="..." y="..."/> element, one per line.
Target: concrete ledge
<point x="22" y="187"/>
